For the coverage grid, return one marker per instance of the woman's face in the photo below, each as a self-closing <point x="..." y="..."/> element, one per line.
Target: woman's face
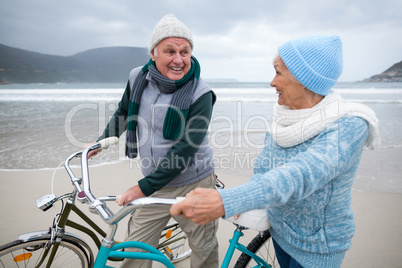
<point x="173" y="57"/>
<point x="290" y="93"/>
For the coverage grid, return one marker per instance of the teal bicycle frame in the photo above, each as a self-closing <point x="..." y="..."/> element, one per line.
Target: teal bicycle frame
<point x="155" y="255"/>
<point x="234" y="244"/>
<point x="151" y="254"/>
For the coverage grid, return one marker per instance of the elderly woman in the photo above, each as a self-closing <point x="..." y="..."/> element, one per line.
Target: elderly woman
<point x="304" y="175"/>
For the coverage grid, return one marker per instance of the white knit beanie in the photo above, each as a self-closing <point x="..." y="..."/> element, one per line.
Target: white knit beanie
<point x="169" y="26"/>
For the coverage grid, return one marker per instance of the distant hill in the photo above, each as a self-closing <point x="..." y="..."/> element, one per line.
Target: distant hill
<point x="393" y="74"/>
<point x="109" y="64"/>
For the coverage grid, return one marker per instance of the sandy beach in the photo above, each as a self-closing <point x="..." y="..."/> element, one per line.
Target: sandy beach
<point x="377" y="241"/>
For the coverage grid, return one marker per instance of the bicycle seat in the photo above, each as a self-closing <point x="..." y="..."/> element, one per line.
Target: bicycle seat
<point x="254" y="219"/>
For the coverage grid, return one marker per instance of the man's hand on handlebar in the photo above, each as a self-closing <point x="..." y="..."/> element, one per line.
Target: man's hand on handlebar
<point x="94" y="152"/>
<point x="130" y="195"/>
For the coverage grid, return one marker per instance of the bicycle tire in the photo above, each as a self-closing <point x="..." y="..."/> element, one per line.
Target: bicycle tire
<point x="28" y="253"/>
<point x="262" y="246"/>
<point x="174" y="243"/>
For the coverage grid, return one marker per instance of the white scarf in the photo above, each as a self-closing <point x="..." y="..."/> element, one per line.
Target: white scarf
<point x="292" y="127"/>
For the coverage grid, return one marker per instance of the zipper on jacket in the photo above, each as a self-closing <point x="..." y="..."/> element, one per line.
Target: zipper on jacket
<point x="153" y="129"/>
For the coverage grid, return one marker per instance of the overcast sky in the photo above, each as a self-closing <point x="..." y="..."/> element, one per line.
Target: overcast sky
<point x="232" y="39"/>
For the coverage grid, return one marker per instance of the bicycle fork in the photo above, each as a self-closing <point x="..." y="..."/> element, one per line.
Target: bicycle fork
<point x="56" y="235"/>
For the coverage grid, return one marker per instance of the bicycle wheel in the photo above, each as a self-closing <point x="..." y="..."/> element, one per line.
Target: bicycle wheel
<point x="29" y="254"/>
<point x="263" y="246"/>
<point x="174" y="243"/>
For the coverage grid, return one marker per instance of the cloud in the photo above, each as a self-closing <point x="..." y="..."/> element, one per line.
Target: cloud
<point x="248" y="48"/>
<point x="233" y="39"/>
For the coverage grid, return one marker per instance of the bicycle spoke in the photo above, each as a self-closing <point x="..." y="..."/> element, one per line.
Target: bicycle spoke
<point x="35" y="254"/>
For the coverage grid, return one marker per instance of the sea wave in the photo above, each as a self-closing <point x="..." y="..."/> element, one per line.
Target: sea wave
<point x="371" y="90"/>
<point x="58" y="98"/>
<point x="366" y="95"/>
<point x="61" y="169"/>
<point x="62" y="91"/>
<point x="259" y="99"/>
<point x="117" y="98"/>
<point x="60" y="95"/>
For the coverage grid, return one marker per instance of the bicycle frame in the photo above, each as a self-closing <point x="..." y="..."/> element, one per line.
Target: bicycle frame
<point x="58" y="230"/>
<point x="104" y="253"/>
<point x="156" y="255"/>
<point x="234" y="244"/>
<point x="151" y="254"/>
<point x="109" y="249"/>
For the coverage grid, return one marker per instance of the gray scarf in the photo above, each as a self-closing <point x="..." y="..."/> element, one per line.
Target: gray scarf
<point x="177" y="112"/>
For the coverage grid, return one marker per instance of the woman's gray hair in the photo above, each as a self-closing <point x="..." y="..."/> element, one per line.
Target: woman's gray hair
<point x="291" y="75"/>
<point x="294" y="79"/>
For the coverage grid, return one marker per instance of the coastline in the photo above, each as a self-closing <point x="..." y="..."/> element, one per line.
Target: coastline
<point x="378" y="215"/>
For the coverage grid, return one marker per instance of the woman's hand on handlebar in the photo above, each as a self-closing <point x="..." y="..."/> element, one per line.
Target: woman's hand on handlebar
<point x="94" y="152"/>
<point x="130" y="195"/>
<point x="201" y="206"/>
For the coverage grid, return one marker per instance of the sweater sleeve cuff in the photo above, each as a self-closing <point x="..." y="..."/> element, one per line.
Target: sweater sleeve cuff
<point x="145" y="187"/>
<point x="236" y="200"/>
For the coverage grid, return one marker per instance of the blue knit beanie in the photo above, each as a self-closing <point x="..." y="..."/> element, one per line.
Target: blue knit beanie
<point x="316" y="61"/>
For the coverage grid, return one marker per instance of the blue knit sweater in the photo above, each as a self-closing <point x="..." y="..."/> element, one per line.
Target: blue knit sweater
<point x="306" y="190"/>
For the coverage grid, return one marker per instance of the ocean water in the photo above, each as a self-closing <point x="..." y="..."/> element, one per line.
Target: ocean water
<point x="42" y="124"/>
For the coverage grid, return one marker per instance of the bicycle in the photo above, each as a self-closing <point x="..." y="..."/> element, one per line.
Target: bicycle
<point x="55" y="247"/>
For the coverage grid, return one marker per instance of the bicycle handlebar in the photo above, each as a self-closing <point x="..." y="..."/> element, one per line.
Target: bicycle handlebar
<point x="127" y="209"/>
<point x="105" y="143"/>
<point x="98" y="204"/>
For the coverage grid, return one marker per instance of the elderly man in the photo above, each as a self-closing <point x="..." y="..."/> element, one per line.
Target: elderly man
<point x="168" y="107"/>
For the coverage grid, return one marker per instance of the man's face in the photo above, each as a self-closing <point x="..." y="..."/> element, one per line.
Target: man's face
<point x="172" y="57"/>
